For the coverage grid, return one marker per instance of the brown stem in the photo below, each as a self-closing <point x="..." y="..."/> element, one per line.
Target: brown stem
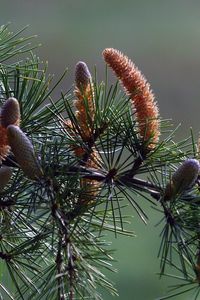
<point x="63" y="243"/>
<point x="5" y="256"/>
<point x="97" y="175"/>
<point x="138" y="162"/>
<point x="59" y="270"/>
<point x="6" y="203"/>
<point x="70" y="268"/>
<point x="91" y="143"/>
<point x="197" y="267"/>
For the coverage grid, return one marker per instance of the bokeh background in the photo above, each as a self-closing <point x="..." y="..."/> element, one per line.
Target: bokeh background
<point x="163" y="39"/>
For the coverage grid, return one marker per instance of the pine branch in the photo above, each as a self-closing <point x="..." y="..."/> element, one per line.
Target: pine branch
<point x="69" y="167"/>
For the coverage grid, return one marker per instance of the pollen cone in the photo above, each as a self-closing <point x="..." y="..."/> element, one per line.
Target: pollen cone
<point x="23" y="151"/>
<point x="85" y="111"/>
<point x="5" y="175"/>
<point x="10" y="112"/>
<point x="138" y="89"/>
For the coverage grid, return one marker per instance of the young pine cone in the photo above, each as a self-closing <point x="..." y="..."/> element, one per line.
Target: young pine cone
<point x="23" y="151"/>
<point x="183" y="178"/>
<point x="10" y="112"/>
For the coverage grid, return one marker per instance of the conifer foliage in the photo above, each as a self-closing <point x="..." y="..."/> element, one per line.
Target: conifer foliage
<point x="70" y="166"/>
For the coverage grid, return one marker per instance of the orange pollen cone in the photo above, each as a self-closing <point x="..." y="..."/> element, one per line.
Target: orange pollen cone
<point x="138" y="89"/>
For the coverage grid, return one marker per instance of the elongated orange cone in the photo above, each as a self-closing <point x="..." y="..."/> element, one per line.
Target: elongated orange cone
<point x="23" y="151"/>
<point x="138" y="89"/>
<point x="85" y="111"/>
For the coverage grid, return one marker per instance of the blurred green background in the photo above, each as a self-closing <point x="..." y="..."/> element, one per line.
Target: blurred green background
<point x="163" y="39"/>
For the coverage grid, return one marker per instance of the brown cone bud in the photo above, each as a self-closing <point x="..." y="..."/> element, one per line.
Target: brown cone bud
<point x="10" y="112"/>
<point x="183" y="178"/>
<point x="84" y="103"/>
<point x="186" y="175"/>
<point x="5" y="175"/>
<point x="82" y="75"/>
<point x="23" y="150"/>
<point x="169" y="191"/>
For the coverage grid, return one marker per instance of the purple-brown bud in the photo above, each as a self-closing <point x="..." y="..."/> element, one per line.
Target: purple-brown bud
<point x="186" y="175"/>
<point x="82" y="75"/>
<point x="84" y="94"/>
<point x="23" y="151"/>
<point x="183" y="178"/>
<point x="10" y="112"/>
